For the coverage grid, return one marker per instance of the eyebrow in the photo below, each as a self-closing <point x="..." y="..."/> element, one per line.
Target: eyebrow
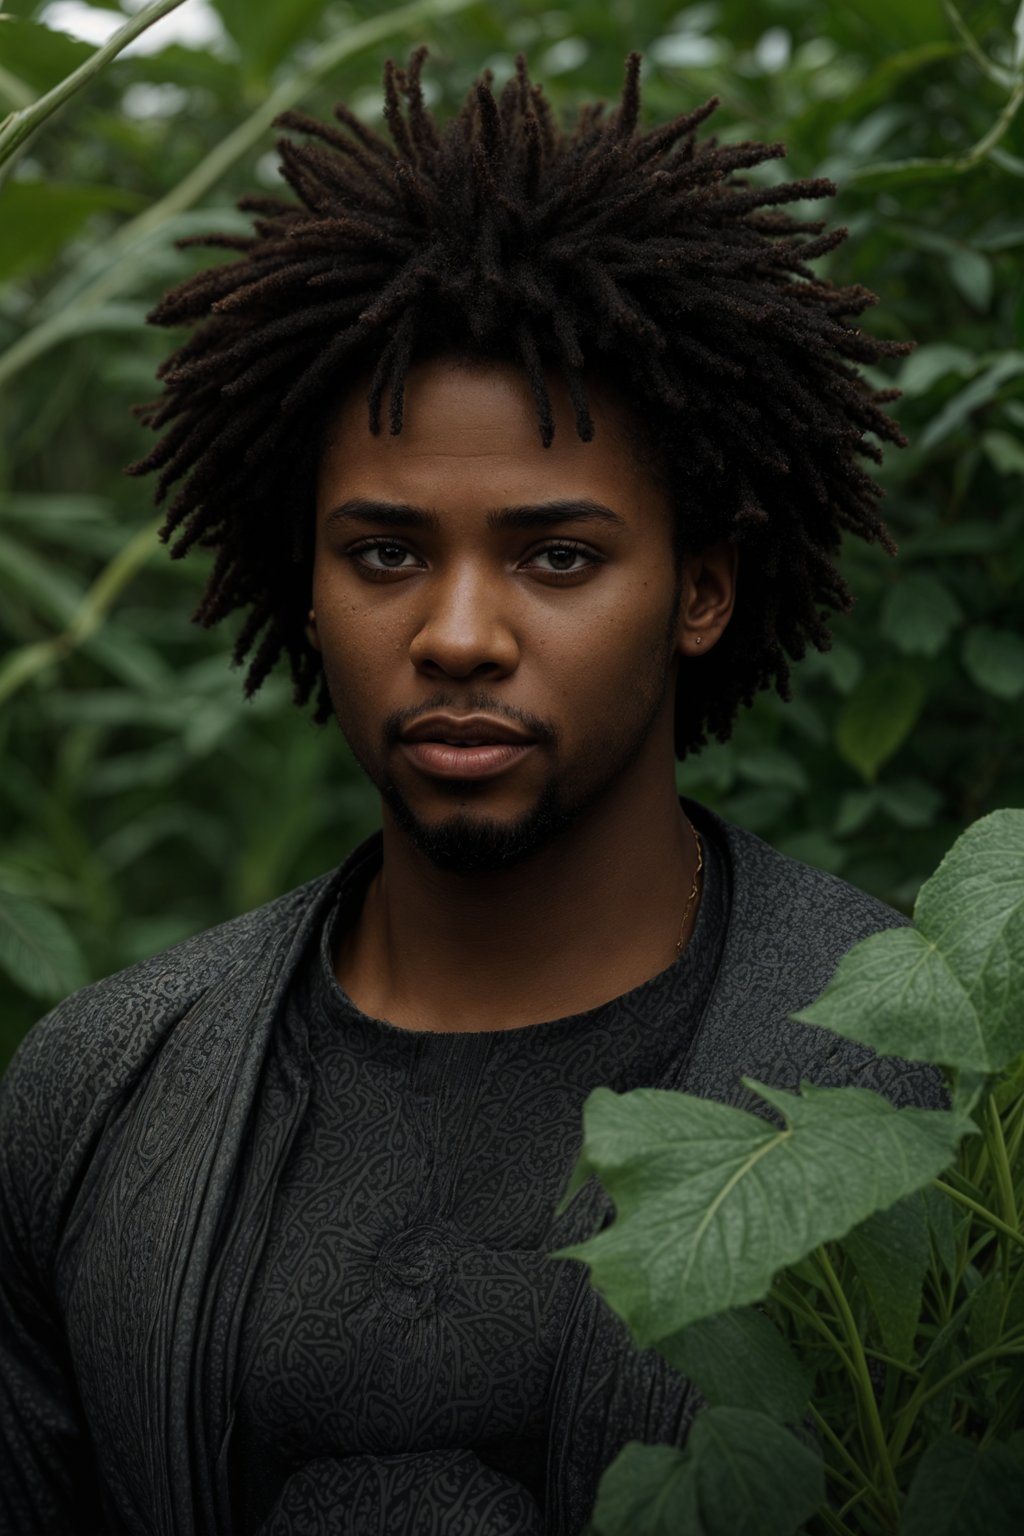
<point x="547" y="514"/>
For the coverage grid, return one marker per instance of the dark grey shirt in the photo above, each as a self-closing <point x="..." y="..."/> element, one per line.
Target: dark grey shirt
<point x="405" y="1303"/>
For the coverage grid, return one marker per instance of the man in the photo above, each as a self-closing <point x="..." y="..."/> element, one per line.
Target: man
<point x="277" y="1205"/>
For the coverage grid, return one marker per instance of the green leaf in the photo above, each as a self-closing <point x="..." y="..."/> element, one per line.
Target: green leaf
<point x="39" y="217"/>
<point x="890" y="1252"/>
<point x="925" y="366"/>
<point x="739" y="1475"/>
<point x="712" y="1202"/>
<point x="265" y="34"/>
<point x="739" y="1359"/>
<point x="41" y="56"/>
<point x="956" y="412"/>
<point x="919" y="613"/>
<point x="841" y="664"/>
<point x="910" y="802"/>
<point x="855" y="808"/>
<point x="972" y="275"/>
<point x="773" y="768"/>
<point x="959" y="1490"/>
<point x="962" y="538"/>
<point x="994" y="659"/>
<point x="1011" y="1084"/>
<point x="1004" y="451"/>
<point x="878" y="717"/>
<point x="37" y="949"/>
<point x="951" y="988"/>
<point x="996" y="1310"/>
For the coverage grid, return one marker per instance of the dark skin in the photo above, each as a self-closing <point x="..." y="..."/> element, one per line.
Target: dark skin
<point x="562" y="882"/>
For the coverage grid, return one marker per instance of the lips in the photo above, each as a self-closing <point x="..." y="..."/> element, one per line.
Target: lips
<point x="466" y="731"/>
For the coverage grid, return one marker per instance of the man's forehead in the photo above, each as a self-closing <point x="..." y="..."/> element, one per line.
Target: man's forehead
<point x="467" y="406"/>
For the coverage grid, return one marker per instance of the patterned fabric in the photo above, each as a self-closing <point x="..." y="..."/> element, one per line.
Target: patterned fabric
<point x="432" y="1493"/>
<point x="405" y="1301"/>
<point x="146" y="1124"/>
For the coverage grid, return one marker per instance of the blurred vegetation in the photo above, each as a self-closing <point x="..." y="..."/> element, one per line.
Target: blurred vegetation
<point x="141" y="798"/>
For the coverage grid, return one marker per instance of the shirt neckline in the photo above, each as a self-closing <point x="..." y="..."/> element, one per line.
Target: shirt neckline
<point x="696" y="963"/>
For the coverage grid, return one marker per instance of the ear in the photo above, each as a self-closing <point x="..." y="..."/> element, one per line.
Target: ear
<point x="708" y="597"/>
<point x="312" y="633"/>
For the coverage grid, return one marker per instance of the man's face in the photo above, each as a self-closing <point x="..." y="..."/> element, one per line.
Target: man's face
<point x="455" y="612"/>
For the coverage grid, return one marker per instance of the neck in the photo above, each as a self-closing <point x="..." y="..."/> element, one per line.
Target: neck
<point x="582" y="921"/>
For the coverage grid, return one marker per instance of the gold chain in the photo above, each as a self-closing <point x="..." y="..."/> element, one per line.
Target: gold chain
<point x="693" y="894"/>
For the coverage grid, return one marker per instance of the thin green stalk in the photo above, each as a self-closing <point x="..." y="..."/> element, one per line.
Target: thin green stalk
<point x="993" y="71"/>
<point x="956" y="163"/>
<point x="987" y="1216"/>
<point x="833" y="1521"/>
<point x="825" y="1428"/>
<point x="897" y="1365"/>
<point x="796" y="1305"/>
<point x="1001" y="1164"/>
<point x="116" y="265"/>
<point x="29" y="660"/>
<point x="19" y="125"/>
<point x="852" y="1503"/>
<point x="862" y="1378"/>
<point x="1015" y="1126"/>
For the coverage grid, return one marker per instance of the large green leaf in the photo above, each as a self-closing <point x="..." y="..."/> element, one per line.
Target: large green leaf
<point x="739" y="1359"/>
<point x="37" y="949"/>
<point x="712" y="1202"/>
<point x="951" y="988"/>
<point x="878" y="717"/>
<point x="959" y="1490"/>
<point x="890" y="1252"/>
<point x="739" y="1475"/>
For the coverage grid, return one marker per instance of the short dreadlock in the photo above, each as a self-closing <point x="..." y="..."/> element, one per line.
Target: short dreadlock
<point x="635" y="255"/>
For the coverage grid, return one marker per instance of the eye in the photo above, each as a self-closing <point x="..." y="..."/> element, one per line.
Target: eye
<point x="387" y="549"/>
<point x="559" y="551"/>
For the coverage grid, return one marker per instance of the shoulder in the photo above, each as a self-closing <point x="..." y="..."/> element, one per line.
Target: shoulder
<point x="80" y="1061"/>
<point x="789" y="926"/>
<point x="781" y="897"/>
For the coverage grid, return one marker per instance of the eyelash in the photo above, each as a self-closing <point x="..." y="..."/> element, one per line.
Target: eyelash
<point x="382" y="572"/>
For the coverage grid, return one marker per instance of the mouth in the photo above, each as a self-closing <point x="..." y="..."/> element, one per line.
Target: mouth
<point x="465" y="759"/>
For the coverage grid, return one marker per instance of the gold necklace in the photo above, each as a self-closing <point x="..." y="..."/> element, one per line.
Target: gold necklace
<point x="693" y="894"/>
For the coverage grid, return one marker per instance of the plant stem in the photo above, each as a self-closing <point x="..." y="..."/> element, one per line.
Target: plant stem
<point x="897" y="1365"/>
<point x="796" y="1305"/>
<point x="980" y="1210"/>
<point x="1000" y="1162"/>
<point x="837" y="1445"/>
<point x="19" y="125"/>
<point x="25" y="663"/>
<point x="833" y="1521"/>
<point x="862" y="1378"/>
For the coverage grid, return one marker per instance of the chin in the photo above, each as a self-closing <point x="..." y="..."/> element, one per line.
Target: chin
<point x="471" y="843"/>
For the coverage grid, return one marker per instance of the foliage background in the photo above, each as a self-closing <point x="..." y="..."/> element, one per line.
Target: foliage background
<point x="141" y="798"/>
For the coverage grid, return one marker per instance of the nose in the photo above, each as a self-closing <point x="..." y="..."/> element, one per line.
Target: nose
<point x="465" y="625"/>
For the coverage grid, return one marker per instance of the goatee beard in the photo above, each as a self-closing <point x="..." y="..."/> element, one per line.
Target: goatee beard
<point x="470" y="845"/>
